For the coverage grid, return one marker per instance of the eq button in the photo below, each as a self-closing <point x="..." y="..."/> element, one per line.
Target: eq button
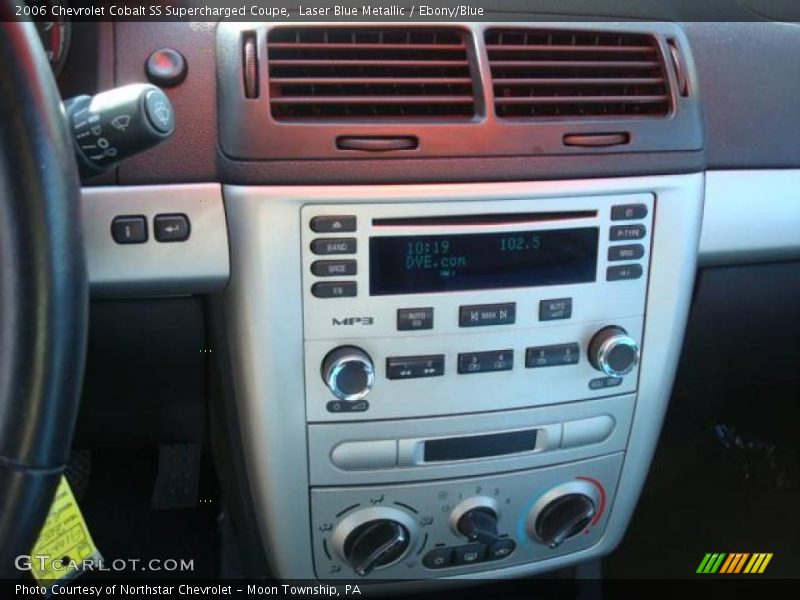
<point x="334" y="289"/>
<point x="412" y="319"/>
<point x="487" y="314"/>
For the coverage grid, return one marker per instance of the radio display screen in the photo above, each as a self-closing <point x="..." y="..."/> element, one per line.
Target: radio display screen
<point x="481" y="261"/>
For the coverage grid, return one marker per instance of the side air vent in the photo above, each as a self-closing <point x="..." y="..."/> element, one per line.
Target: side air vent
<point x="562" y="73"/>
<point x="369" y="73"/>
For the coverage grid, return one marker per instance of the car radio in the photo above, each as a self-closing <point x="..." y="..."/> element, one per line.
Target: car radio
<point x="415" y="310"/>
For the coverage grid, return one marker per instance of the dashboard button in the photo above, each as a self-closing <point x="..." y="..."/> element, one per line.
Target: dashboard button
<point x="379" y="454"/>
<point x="480" y="315"/>
<point x="413" y="367"/>
<point x="623" y="272"/>
<point x="469" y="554"/>
<point x="485" y="362"/>
<point x="171" y="228"/>
<point x="335" y="289"/>
<point x="628" y="212"/>
<point x="323" y="246"/>
<point x="333" y="224"/>
<point x="333" y="268"/>
<point x="438" y="558"/>
<point x="129" y="230"/>
<point x="602" y="383"/>
<point x="627" y="252"/>
<point x="501" y="549"/>
<point x="166" y="67"/>
<point x="552" y="356"/>
<point x="623" y="233"/>
<point x="555" y="309"/>
<point x="413" y="319"/>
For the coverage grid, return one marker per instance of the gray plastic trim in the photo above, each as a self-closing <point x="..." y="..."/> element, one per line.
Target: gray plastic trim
<point x="266" y="332"/>
<point x="199" y="265"/>
<point x="750" y="216"/>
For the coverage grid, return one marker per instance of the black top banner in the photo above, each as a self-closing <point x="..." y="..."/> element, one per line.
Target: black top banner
<point x="404" y="11"/>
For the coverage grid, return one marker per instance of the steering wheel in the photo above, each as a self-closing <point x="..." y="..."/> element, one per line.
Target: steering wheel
<point x="43" y="289"/>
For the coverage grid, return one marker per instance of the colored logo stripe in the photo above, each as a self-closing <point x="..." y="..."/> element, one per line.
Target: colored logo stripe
<point x="711" y="563"/>
<point x="733" y="563"/>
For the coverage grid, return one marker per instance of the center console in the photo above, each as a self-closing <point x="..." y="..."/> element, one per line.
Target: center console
<point x="436" y="381"/>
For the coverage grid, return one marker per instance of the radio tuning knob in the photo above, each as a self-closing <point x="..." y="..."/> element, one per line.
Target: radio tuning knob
<point x="613" y="351"/>
<point x="348" y="372"/>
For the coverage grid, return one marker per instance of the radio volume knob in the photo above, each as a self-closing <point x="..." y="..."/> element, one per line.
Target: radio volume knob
<point x="613" y="351"/>
<point x="348" y="372"/>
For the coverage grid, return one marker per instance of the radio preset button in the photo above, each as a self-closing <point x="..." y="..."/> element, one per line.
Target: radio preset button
<point x="481" y="315"/>
<point x="552" y="356"/>
<point x="334" y="289"/>
<point x="324" y="246"/>
<point x="333" y="224"/>
<point x="413" y="367"/>
<point x="413" y="319"/>
<point x="333" y="268"/>
<point x="485" y="362"/>
<point x="623" y="233"/>
<point x="623" y="272"/>
<point x="627" y="252"/>
<point x="554" y="309"/>
<point x="628" y="212"/>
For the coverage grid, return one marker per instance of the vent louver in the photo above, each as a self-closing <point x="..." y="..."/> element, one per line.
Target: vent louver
<point x="357" y="73"/>
<point x="561" y="73"/>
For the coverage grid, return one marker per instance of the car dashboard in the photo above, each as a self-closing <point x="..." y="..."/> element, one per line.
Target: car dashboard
<point x="449" y="265"/>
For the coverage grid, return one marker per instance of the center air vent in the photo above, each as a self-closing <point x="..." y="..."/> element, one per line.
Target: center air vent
<point x="562" y="73"/>
<point x="367" y="73"/>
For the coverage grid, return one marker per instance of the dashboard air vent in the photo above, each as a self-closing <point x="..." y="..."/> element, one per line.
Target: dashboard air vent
<point x="563" y="73"/>
<point x="369" y="73"/>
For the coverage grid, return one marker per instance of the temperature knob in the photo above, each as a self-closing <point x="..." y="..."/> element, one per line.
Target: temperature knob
<point x="118" y="123"/>
<point x="348" y="372"/>
<point x="563" y="512"/>
<point x="613" y="351"/>
<point x="373" y="538"/>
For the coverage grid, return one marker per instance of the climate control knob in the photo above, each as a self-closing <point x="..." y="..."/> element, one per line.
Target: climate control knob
<point x="476" y="519"/>
<point x="348" y="372"/>
<point x="373" y="538"/>
<point x="563" y="512"/>
<point x="613" y="351"/>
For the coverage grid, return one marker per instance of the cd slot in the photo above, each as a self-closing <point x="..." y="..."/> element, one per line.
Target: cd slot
<point x="483" y="219"/>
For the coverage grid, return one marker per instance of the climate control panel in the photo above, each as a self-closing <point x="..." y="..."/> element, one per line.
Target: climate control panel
<point x="454" y="527"/>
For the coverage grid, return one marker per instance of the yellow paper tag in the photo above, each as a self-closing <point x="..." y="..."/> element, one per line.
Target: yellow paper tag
<point x="64" y="542"/>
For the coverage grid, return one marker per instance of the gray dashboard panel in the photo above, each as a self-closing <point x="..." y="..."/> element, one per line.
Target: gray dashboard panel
<point x="266" y="327"/>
